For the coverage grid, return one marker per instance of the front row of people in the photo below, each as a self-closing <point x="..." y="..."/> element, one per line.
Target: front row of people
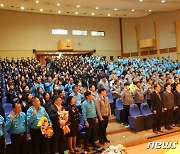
<point x="23" y="126"/>
<point x="95" y="109"/>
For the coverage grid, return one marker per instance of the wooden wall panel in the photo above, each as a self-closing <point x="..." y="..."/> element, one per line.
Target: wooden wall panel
<point x="163" y="51"/>
<point x="173" y="49"/>
<point x="152" y="52"/>
<point x="144" y="53"/>
<point x="126" y="55"/>
<point x="134" y="54"/>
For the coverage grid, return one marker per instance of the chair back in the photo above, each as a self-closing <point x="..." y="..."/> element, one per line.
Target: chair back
<point x="119" y="103"/>
<point x="134" y="110"/>
<point x="145" y="109"/>
<point x="110" y="97"/>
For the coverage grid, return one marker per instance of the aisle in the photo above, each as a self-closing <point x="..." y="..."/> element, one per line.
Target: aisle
<point x="142" y="148"/>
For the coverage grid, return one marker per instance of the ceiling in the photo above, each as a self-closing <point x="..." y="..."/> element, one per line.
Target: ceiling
<point x="93" y="8"/>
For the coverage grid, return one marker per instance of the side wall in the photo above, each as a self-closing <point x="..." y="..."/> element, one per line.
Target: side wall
<point x="167" y="31"/>
<point x="21" y="32"/>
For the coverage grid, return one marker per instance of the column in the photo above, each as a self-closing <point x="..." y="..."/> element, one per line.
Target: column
<point x="121" y="37"/>
<point x="138" y="37"/>
<point x="177" y="25"/>
<point x="157" y="36"/>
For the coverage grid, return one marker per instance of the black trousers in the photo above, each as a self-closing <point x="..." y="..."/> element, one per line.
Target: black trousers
<point x="177" y="116"/>
<point x="79" y="109"/>
<point x="40" y="144"/>
<point x="2" y="145"/>
<point x="19" y="143"/>
<point x="126" y="114"/>
<point x="102" y="128"/>
<point x="168" y="117"/>
<point x="58" y="143"/>
<point x="149" y="103"/>
<point x="156" y="125"/>
<point x="139" y="105"/>
<point x="90" y="132"/>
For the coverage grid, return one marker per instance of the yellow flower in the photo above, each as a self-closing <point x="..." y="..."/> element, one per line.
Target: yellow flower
<point x="42" y="121"/>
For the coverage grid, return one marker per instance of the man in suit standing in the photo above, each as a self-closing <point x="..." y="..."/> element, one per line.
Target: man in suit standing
<point x="156" y="103"/>
<point x="168" y="105"/>
<point x="127" y="98"/>
<point x="138" y="94"/>
<point x="34" y="114"/>
<point x="177" y="104"/>
<point x="91" y="120"/>
<point x="104" y="112"/>
<point x="58" y="138"/>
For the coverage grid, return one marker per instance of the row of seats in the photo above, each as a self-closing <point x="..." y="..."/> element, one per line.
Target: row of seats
<point x="138" y="119"/>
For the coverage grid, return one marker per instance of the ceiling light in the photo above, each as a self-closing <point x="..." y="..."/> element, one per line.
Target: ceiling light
<point x="2" y="5"/>
<point x="41" y="10"/>
<point x="76" y="12"/>
<point x="92" y="14"/>
<point x="97" y="8"/>
<point x="150" y="10"/>
<point x="37" y="2"/>
<point x="163" y="1"/>
<point x="115" y="9"/>
<point x="59" y="11"/>
<point x="58" y="4"/>
<point x="78" y="6"/>
<point x="109" y="15"/>
<point x="22" y="7"/>
<point x="132" y="10"/>
<point x="140" y="0"/>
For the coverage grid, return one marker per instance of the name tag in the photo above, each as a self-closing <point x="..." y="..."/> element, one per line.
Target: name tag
<point x="89" y="109"/>
<point x="23" y="123"/>
<point x="15" y="125"/>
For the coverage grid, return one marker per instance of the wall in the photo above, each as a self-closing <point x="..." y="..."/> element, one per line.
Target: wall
<point x="22" y="31"/>
<point x="16" y="54"/>
<point x="167" y="31"/>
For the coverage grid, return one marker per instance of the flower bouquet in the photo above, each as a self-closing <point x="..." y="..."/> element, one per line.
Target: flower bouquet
<point x="119" y="149"/>
<point x="63" y="119"/>
<point x="45" y="128"/>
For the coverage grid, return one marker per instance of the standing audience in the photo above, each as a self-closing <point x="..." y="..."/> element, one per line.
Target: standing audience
<point x="104" y="112"/>
<point x="74" y="124"/>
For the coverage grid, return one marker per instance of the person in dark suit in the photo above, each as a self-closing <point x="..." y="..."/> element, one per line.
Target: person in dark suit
<point x="168" y="105"/>
<point x="177" y="104"/>
<point x="74" y="124"/>
<point x="58" y="138"/>
<point x="156" y="103"/>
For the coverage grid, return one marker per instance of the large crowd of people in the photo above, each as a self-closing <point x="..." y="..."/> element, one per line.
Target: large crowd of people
<point x="80" y="85"/>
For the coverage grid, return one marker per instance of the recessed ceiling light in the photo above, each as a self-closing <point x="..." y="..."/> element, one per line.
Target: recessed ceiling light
<point x="115" y="9"/>
<point x="41" y="10"/>
<point x="97" y="8"/>
<point x="109" y="15"/>
<point x="2" y="5"/>
<point x="58" y="4"/>
<point x="163" y="1"/>
<point x="92" y="14"/>
<point x="22" y="7"/>
<point x="59" y="11"/>
<point x="37" y="2"/>
<point x="132" y="10"/>
<point x="150" y="10"/>
<point x="78" y="6"/>
<point x="76" y="12"/>
<point x="140" y="0"/>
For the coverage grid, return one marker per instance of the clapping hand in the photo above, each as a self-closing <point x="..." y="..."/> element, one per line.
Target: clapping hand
<point x="12" y="115"/>
<point x="34" y="111"/>
<point x="154" y="112"/>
